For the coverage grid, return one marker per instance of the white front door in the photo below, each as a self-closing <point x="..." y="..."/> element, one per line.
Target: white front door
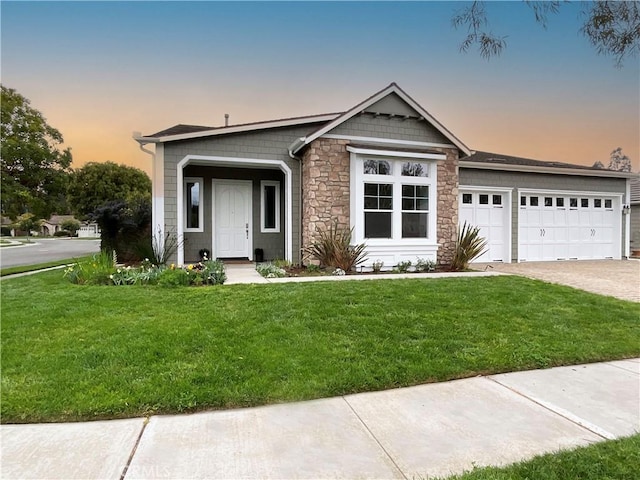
<point x="232" y="219"/>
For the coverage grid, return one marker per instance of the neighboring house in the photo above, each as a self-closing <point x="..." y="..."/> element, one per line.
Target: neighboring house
<point x="635" y="216"/>
<point x="387" y="169"/>
<point x="54" y="224"/>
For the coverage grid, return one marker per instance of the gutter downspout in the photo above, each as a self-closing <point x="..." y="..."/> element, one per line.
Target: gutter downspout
<point x="154" y="210"/>
<point x="294" y="147"/>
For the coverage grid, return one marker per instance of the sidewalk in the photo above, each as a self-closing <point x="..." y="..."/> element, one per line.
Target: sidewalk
<point x="416" y="432"/>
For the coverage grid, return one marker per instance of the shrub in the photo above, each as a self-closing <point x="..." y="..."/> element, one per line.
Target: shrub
<point x="96" y="271"/>
<point x="469" y="246"/>
<point x="281" y="263"/>
<point x="377" y="266"/>
<point x="423" y="265"/>
<point x="5" y="231"/>
<point x="270" y="270"/>
<point x="333" y="249"/>
<point x="71" y="226"/>
<point x="173" y="277"/>
<point x="403" y="267"/>
<point x="61" y="233"/>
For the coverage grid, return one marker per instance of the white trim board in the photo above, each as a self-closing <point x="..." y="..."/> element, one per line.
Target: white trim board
<point x="234" y="162"/>
<point x="388" y="141"/>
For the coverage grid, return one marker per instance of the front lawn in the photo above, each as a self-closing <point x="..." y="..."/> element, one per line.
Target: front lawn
<point x="612" y="460"/>
<point x="73" y="352"/>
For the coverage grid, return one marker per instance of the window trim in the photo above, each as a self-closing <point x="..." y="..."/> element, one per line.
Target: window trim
<point x="200" y="181"/>
<point x="359" y="178"/>
<point x="263" y="228"/>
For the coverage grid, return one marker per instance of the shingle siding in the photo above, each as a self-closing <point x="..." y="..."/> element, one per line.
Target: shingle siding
<point x="396" y="128"/>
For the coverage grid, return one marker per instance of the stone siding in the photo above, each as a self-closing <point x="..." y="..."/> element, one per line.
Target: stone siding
<point x="447" y="206"/>
<point x="325" y="191"/>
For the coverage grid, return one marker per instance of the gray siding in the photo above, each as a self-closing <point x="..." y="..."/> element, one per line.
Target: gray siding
<point x="518" y="180"/>
<point x="635" y="227"/>
<point x="397" y="128"/>
<point x="269" y="144"/>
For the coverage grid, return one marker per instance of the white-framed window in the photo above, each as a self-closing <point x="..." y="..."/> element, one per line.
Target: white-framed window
<point x="393" y="198"/>
<point x="269" y="206"/>
<point x="193" y="204"/>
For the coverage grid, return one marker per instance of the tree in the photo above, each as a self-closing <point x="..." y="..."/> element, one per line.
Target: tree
<point x="71" y="226"/>
<point x="27" y="222"/>
<point x="612" y="27"/>
<point x="117" y="197"/>
<point x="33" y="164"/>
<point x="619" y="161"/>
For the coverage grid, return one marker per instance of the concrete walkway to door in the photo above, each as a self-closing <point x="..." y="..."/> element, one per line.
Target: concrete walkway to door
<point x="615" y="278"/>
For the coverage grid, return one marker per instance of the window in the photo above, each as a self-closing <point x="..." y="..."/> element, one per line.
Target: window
<point x="523" y="201"/>
<point x="415" y="169"/>
<point x="270" y="207"/>
<point x="377" y="167"/>
<point x="607" y="203"/>
<point x="395" y="200"/>
<point x="559" y="201"/>
<point x="378" y="210"/>
<point x="484" y="199"/>
<point x="573" y="203"/>
<point x="496" y="199"/>
<point x="415" y="211"/>
<point x="597" y="202"/>
<point x="193" y="205"/>
<point x="584" y="202"/>
<point x="533" y="201"/>
<point x="548" y="201"/>
<point x="467" y="198"/>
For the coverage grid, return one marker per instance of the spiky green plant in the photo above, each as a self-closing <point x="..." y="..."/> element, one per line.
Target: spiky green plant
<point x="333" y="248"/>
<point x="469" y="246"/>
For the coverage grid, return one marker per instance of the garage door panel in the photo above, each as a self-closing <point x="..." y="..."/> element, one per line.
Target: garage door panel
<point x="549" y="231"/>
<point x="489" y="211"/>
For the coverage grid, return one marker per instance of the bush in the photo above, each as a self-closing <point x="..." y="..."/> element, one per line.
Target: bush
<point x="5" y="231"/>
<point x="469" y="246"/>
<point x="333" y="249"/>
<point x="61" y="233"/>
<point x="97" y="271"/>
<point x="158" y="248"/>
<point x="270" y="270"/>
<point x="423" y="265"/>
<point x="173" y="277"/>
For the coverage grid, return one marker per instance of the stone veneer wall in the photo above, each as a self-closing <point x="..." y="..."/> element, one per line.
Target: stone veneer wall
<point x="326" y="193"/>
<point x="447" y="206"/>
<point x="325" y="187"/>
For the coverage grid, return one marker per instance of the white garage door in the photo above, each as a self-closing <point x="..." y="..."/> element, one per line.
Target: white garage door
<point x="489" y="210"/>
<point x="567" y="226"/>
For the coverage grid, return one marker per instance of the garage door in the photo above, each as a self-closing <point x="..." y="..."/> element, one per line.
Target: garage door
<point x="488" y="210"/>
<point x="567" y="226"/>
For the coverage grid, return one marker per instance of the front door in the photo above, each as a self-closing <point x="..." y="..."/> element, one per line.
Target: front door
<point x="232" y="219"/>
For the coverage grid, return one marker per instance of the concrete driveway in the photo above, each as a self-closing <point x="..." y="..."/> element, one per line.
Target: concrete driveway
<point x="616" y="278"/>
<point x="47" y="250"/>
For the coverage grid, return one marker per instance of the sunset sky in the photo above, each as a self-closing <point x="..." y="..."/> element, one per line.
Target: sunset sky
<point x="100" y="70"/>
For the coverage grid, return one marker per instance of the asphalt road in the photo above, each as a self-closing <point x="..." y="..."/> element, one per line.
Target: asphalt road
<point x="47" y="250"/>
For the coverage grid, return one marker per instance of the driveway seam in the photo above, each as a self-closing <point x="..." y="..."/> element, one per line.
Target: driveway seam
<point x="375" y="438"/>
<point x="135" y="448"/>
<point x="567" y="415"/>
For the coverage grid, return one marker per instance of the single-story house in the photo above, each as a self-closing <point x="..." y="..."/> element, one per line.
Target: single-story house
<point x="54" y="224"/>
<point x="385" y="168"/>
<point x="635" y="217"/>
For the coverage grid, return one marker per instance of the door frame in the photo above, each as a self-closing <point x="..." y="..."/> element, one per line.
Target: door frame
<point x="248" y="184"/>
<point x="508" y="209"/>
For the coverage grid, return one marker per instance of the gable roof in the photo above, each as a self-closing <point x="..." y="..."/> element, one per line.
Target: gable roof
<point x="185" y="132"/>
<point x="498" y="161"/>
<point x="390" y="89"/>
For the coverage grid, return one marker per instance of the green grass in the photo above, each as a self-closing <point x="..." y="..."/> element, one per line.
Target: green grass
<point x="74" y="352"/>
<point x="612" y="460"/>
<point x="40" y="266"/>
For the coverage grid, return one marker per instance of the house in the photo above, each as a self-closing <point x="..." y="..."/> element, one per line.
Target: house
<point x="634" y="214"/>
<point x="389" y="170"/>
<point x="54" y="224"/>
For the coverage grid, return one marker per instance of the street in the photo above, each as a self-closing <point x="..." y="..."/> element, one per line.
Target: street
<point x="46" y="250"/>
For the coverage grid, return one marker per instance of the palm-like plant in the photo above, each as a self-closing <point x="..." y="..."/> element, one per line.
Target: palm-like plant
<point x="333" y="249"/>
<point x="469" y="246"/>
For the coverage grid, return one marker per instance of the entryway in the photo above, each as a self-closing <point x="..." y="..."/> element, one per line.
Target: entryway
<point x="232" y="224"/>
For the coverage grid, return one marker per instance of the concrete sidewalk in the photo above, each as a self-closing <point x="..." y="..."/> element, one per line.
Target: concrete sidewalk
<point x="417" y="432"/>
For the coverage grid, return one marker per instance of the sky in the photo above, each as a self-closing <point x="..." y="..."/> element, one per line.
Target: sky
<point x="99" y="71"/>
